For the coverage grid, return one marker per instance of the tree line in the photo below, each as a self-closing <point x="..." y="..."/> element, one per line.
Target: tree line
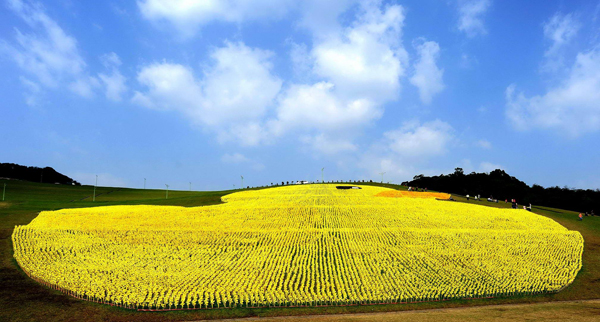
<point x="500" y="185"/>
<point x="34" y="174"/>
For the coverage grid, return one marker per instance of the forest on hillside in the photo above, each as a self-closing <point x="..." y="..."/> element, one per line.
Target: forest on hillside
<point x="500" y="185"/>
<point x="34" y="174"/>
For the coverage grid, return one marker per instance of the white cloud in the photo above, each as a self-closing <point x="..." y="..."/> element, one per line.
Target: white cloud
<point x="233" y="95"/>
<point x="405" y="151"/>
<point x="420" y="140"/>
<point x="301" y="60"/>
<point x="110" y="60"/>
<point x="329" y="146"/>
<point x="560" y="30"/>
<point x="84" y="86"/>
<point x="33" y="89"/>
<point x="189" y="15"/>
<point x="142" y="99"/>
<point x="428" y="76"/>
<point x="484" y="166"/>
<point x="317" y="107"/>
<point x="359" y="68"/>
<point x="367" y="59"/>
<point x="238" y="158"/>
<point x="468" y="61"/>
<point x="471" y="13"/>
<point x="395" y="169"/>
<point x="234" y="158"/>
<point x="240" y="84"/>
<point x="484" y="144"/>
<point x="321" y="17"/>
<point x="249" y="133"/>
<point x="573" y="107"/>
<point x="353" y="72"/>
<point x="170" y="87"/>
<point x="489" y="167"/>
<point x="47" y="52"/>
<point x="114" y="84"/>
<point x="52" y="57"/>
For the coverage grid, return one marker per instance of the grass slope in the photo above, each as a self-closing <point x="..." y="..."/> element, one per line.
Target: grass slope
<point x="22" y="299"/>
<point x="576" y="311"/>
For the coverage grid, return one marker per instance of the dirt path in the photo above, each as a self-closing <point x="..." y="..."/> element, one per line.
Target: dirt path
<point x="587" y="310"/>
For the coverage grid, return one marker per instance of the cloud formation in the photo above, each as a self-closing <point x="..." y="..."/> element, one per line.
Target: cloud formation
<point x="401" y="152"/>
<point x="343" y="79"/>
<point x="230" y="98"/>
<point x="489" y="167"/>
<point x="471" y="14"/>
<point x="357" y="69"/>
<point x="238" y="159"/>
<point x="427" y="76"/>
<point x="46" y="53"/>
<point x="571" y="106"/>
<point x="114" y="83"/>
<point x="367" y="59"/>
<point x="560" y="31"/>
<point x="484" y="144"/>
<point x="187" y="16"/>
<point x="50" y="56"/>
<point x="234" y="158"/>
<point x="420" y="140"/>
<point x="318" y="107"/>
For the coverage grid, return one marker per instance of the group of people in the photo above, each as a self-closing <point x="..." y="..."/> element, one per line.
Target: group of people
<point x="476" y="197"/>
<point x="515" y="205"/>
<point x="417" y="189"/>
<point x="586" y="214"/>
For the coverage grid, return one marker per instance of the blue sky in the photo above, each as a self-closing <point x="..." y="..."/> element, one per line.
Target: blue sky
<point x="206" y="91"/>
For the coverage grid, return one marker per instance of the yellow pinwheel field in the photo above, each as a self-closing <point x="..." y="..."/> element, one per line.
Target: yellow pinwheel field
<point x="297" y="245"/>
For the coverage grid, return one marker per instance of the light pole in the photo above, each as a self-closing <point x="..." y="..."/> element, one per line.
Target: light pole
<point x="94" y="198"/>
<point x="322" y="180"/>
<point x="4" y="192"/>
<point x="382" y="173"/>
<point x="144" y="183"/>
<point x="167" y="197"/>
<point x="190" y="186"/>
<point x="242" y="182"/>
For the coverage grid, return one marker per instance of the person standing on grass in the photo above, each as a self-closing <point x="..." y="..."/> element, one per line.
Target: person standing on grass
<point x="580" y="216"/>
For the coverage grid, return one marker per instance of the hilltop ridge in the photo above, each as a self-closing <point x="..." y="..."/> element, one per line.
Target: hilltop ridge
<point x="34" y="174"/>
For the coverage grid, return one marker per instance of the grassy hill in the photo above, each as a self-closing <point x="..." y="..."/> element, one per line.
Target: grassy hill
<point x="22" y="299"/>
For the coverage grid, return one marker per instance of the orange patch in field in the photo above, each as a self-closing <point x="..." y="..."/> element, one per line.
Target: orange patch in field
<point x="412" y="194"/>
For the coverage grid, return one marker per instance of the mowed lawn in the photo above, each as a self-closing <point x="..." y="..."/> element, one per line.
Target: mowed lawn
<point x="22" y="299"/>
<point x="575" y="311"/>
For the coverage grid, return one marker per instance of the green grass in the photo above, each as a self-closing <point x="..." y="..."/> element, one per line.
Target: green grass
<point x="553" y="311"/>
<point x="22" y="299"/>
